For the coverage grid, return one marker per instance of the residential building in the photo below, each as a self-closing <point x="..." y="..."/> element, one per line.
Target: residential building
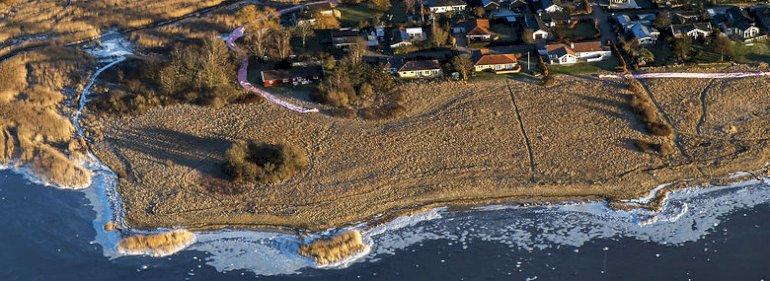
<point x="551" y="6"/>
<point x="590" y="51"/>
<point x="696" y="30"/>
<point x="445" y="6"/>
<point x="306" y="15"/>
<point x="736" y="23"/>
<point x="346" y="37"/>
<point x="499" y="63"/>
<point x="404" y="36"/>
<point x="644" y="35"/>
<point x="762" y="14"/>
<point x="420" y="69"/>
<point x="478" y="31"/>
<point x="295" y="75"/>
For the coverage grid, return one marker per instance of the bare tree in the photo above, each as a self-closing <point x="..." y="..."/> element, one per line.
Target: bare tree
<point x="440" y="34"/>
<point x="463" y="65"/>
<point x="282" y="40"/>
<point x="304" y="31"/>
<point x="409" y="5"/>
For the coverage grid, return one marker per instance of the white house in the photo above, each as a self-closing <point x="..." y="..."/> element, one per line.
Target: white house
<point x="405" y="36"/>
<point x="562" y="54"/>
<point x="738" y="24"/>
<point x="499" y="63"/>
<point x="445" y="6"/>
<point x="551" y="6"/>
<point x="694" y="30"/>
<point x="420" y="69"/>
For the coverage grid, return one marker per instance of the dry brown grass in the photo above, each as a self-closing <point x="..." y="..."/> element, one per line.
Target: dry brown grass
<point x="51" y="165"/>
<point x="646" y="109"/>
<point x="457" y="144"/>
<point x="161" y="244"/>
<point x="48" y="21"/>
<point x="34" y="124"/>
<point x="334" y="249"/>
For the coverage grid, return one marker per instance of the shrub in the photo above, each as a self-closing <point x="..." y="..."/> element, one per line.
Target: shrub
<point x="264" y="163"/>
<point x="334" y="249"/>
<point x="659" y="129"/>
<point x="667" y="148"/>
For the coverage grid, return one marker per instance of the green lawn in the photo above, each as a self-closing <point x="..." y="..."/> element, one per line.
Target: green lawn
<point x="759" y="52"/>
<point x="352" y="15"/>
<point x="585" y="30"/>
<point x="505" y="32"/>
<point x="579" y="68"/>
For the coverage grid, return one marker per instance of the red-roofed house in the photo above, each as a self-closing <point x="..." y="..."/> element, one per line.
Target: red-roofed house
<point x="499" y="63"/>
<point x="479" y="31"/>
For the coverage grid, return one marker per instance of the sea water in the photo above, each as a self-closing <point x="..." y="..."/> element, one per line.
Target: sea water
<point x="48" y="234"/>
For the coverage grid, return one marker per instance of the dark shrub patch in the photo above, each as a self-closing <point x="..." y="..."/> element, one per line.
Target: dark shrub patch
<point x="263" y="163"/>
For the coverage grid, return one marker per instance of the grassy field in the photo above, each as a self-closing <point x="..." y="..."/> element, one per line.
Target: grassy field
<point x="580" y="68"/>
<point x="352" y="15"/>
<point x="759" y="52"/>
<point x="487" y="141"/>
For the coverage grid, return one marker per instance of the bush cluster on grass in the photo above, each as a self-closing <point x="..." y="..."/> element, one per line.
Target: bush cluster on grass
<point x="263" y="163"/>
<point x="646" y="110"/>
<point x="357" y="86"/>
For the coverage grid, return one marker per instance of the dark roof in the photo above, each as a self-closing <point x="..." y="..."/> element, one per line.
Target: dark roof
<point x="445" y="3"/>
<point x="737" y="18"/>
<point x="417" y="65"/>
<point x="345" y="33"/>
<point x="294" y="72"/>
<point x="762" y="13"/>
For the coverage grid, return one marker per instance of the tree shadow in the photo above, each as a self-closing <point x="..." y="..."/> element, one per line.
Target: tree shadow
<point x="623" y="112"/>
<point x="204" y="154"/>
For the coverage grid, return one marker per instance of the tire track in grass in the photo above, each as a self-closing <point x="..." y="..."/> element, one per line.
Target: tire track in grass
<point x="527" y="142"/>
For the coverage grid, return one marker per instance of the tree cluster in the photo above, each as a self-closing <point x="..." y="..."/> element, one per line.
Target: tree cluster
<point x="194" y="72"/>
<point x="355" y="85"/>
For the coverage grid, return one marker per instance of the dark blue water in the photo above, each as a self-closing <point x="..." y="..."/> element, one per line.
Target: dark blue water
<point x="46" y="234"/>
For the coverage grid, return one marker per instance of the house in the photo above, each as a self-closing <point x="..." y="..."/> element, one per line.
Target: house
<point x="694" y="30"/>
<point x="590" y="51"/>
<point x="404" y="36"/>
<point x="346" y="37"/>
<point x="686" y="17"/>
<point x="762" y="14"/>
<point x="499" y="63"/>
<point x="644" y="35"/>
<point x="307" y="12"/>
<point x="551" y="6"/>
<point x="540" y="30"/>
<point x="556" y="18"/>
<point x="622" y="4"/>
<point x="420" y="69"/>
<point x="295" y="75"/>
<point x="737" y="24"/>
<point x="445" y="6"/>
<point x="479" y="31"/>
